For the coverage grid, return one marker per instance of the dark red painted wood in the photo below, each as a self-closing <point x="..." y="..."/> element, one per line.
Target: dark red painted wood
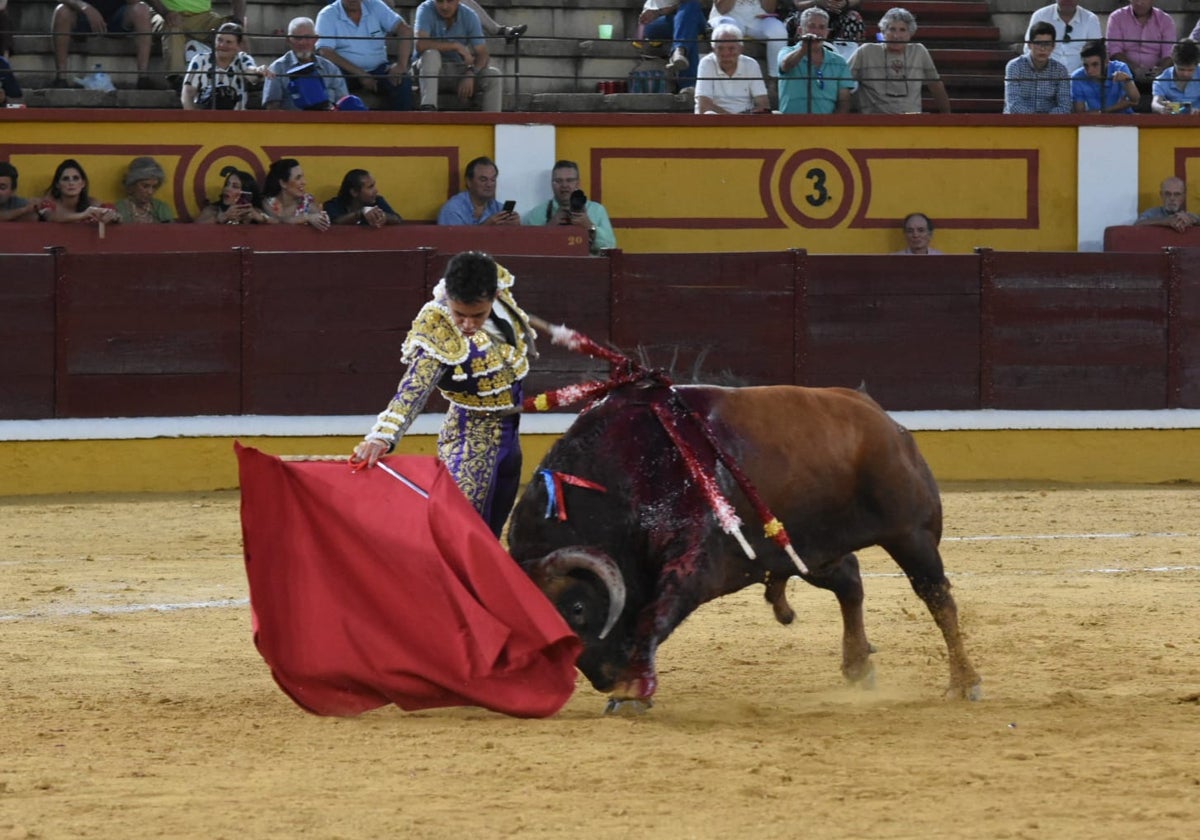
<point x="27" y="337"/>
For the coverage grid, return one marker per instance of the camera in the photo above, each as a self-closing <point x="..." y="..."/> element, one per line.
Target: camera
<point x="579" y="201"/>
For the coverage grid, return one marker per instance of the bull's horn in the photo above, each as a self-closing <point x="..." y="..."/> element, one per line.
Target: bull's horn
<point x="563" y="560"/>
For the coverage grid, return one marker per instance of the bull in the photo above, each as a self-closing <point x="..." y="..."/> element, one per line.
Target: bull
<point x="636" y="548"/>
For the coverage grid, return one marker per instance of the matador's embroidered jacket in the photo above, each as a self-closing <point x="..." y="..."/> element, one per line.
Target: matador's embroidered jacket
<point x="478" y="374"/>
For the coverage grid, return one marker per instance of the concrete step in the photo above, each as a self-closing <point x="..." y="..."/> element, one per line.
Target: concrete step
<point x="930" y="11"/>
<point x="610" y="103"/>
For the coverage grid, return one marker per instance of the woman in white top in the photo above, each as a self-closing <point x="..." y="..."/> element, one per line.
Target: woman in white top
<point x="728" y="82"/>
<point x="756" y="19"/>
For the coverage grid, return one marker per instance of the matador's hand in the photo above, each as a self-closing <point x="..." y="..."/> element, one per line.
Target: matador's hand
<point x="369" y="451"/>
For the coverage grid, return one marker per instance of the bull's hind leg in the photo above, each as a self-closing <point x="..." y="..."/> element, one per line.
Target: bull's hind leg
<point x="918" y="556"/>
<point x="843" y="579"/>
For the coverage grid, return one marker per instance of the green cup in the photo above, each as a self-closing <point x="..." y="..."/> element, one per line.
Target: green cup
<point x="605" y="31"/>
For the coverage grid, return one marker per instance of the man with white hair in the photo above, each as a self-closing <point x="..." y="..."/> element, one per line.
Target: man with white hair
<point x="890" y="74"/>
<point x="294" y="92"/>
<point x="728" y="82"/>
<point x="1073" y="26"/>
<point x="813" y="77"/>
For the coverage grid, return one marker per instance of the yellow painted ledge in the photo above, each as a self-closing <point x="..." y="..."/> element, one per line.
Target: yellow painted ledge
<point x="1100" y="456"/>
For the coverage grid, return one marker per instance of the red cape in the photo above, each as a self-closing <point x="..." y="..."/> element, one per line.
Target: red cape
<point x="364" y="593"/>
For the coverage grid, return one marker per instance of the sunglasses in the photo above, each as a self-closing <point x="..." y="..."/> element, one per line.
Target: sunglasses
<point x="1066" y="38"/>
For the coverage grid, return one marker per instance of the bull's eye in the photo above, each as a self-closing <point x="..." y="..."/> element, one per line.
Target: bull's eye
<point x="578" y="613"/>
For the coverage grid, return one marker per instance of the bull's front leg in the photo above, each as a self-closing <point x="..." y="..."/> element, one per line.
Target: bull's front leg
<point x="634" y="688"/>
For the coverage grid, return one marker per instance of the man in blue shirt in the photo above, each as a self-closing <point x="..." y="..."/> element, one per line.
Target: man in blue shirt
<point x="1176" y="90"/>
<point x="1097" y="86"/>
<point x="353" y="35"/>
<point x="277" y="92"/>
<point x="452" y="55"/>
<point x="810" y="67"/>
<point x="477" y="204"/>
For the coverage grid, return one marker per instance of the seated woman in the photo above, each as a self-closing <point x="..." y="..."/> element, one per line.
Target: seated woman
<point x="139" y="206"/>
<point x="217" y="79"/>
<point x="286" y="198"/>
<point x="67" y="200"/>
<point x="240" y="202"/>
<point x="728" y="82"/>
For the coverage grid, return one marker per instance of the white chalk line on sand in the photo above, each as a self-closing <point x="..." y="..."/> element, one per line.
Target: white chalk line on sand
<point x="225" y="603"/>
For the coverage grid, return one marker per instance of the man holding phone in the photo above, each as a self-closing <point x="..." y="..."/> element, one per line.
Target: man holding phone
<point x="571" y="206"/>
<point x="477" y="204"/>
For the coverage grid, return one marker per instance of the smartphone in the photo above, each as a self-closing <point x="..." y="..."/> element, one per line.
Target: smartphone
<point x="509" y="206"/>
<point x="244" y="198"/>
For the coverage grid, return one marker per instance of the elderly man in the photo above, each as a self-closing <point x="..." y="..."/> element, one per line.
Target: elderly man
<point x="918" y="235"/>
<point x="1036" y="83"/>
<point x="477" y="204"/>
<point x="181" y="20"/>
<point x="1171" y="214"/>
<point x="813" y="77"/>
<point x="728" y="82"/>
<point x="890" y="75"/>
<point x="353" y="35"/>
<point x="570" y="206"/>
<point x="453" y="55"/>
<point x="79" y="18"/>
<point x="1073" y="26"/>
<point x="1141" y="36"/>
<point x="283" y="91"/>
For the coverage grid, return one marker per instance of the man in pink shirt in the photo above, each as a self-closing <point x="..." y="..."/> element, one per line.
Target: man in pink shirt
<point x="1141" y="36"/>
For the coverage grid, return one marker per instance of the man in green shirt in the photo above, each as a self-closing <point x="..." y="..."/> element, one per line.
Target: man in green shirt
<point x="570" y="206"/>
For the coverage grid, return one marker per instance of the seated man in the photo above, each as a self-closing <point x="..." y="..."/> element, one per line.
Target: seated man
<point x="1176" y="90"/>
<point x="353" y="35"/>
<point x="13" y="208"/>
<point x="890" y="74"/>
<point x="680" y="22"/>
<point x="1102" y="87"/>
<point x="813" y="78"/>
<point x="358" y="202"/>
<point x="75" y="19"/>
<point x="1073" y="25"/>
<point x="1172" y="213"/>
<point x="477" y="204"/>
<point x="846" y="27"/>
<point x="1141" y="36"/>
<point x="453" y="55"/>
<point x="282" y="92"/>
<point x="1036" y="83"/>
<point x="728" y="82"/>
<point x="10" y="88"/>
<point x="570" y="206"/>
<point x="181" y="21"/>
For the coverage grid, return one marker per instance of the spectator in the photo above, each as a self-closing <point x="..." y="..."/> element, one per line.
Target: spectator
<point x="491" y="28"/>
<point x="13" y="208"/>
<point x="570" y="206"/>
<point x="1141" y="36"/>
<point x="846" y="25"/>
<point x="755" y="18"/>
<point x="918" y="233"/>
<point x="728" y="82"/>
<point x="295" y="94"/>
<point x="1171" y="213"/>
<point x="10" y="88"/>
<point x="477" y="204"/>
<point x="1176" y="90"/>
<point x="813" y="78"/>
<point x="240" y="202"/>
<point x="353" y="35"/>
<point x="452" y="54"/>
<point x="142" y="180"/>
<point x="1035" y="83"/>
<point x="182" y="20"/>
<point x="358" y="202"/>
<point x="680" y="22"/>
<point x="890" y="74"/>
<point x="217" y="80"/>
<point x="1104" y="87"/>
<point x="286" y="198"/>
<point x="1074" y="26"/>
<point x="75" y="19"/>
<point x="67" y="200"/>
<point x="6" y="34"/>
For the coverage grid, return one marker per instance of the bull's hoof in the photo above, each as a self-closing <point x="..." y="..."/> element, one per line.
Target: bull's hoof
<point x="861" y="675"/>
<point x="972" y="692"/>
<point x="784" y="614"/>
<point x="628" y="706"/>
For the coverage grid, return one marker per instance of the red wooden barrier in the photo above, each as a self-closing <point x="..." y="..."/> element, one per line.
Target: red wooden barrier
<point x="27" y="331"/>
<point x="1143" y="238"/>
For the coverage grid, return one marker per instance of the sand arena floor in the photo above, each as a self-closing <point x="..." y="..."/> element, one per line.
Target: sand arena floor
<point x="134" y="704"/>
